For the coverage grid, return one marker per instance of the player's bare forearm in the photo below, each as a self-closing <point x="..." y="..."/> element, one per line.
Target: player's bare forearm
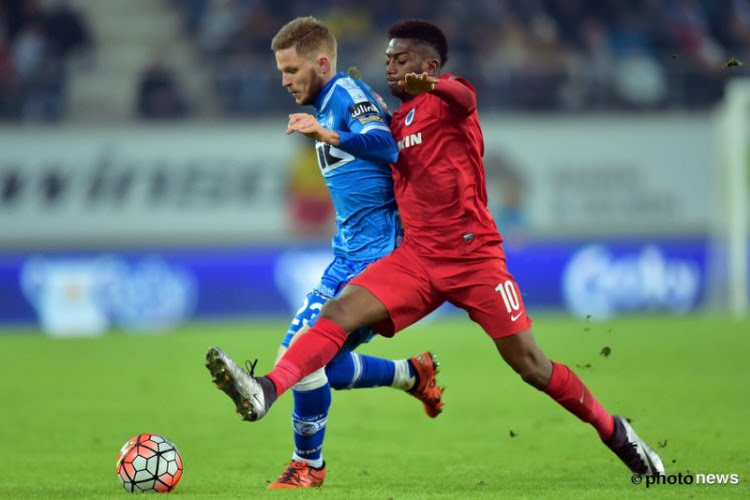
<point x="330" y="136"/>
<point x="306" y="124"/>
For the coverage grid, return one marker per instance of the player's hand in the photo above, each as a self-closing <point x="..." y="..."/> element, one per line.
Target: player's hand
<point x="415" y="84"/>
<point x="306" y="124"/>
<point x="303" y="123"/>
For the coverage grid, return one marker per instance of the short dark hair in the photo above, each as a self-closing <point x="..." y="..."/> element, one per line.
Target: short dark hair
<point x="424" y="32"/>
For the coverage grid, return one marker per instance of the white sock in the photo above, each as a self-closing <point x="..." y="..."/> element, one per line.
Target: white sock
<point x="314" y="463"/>
<point x="402" y="379"/>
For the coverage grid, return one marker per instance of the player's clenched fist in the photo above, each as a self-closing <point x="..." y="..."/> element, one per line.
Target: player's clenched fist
<point x="416" y="84"/>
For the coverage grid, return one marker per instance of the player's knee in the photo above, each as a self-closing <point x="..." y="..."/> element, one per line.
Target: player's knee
<point x="337" y="377"/>
<point x="342" y="371"/>
<point x="335" y="311"/>
<point x="522" y="353"/>
<point x="313" y="381"/>
<point x="533" y="378"/>
<point x="533" y="369"/>
<point x="332" y="310"/>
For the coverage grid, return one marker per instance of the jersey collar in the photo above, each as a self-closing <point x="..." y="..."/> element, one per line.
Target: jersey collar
<point x="327" y="88"/>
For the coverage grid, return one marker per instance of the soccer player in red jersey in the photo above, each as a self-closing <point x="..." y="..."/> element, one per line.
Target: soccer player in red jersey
<point x="451" y="251"/>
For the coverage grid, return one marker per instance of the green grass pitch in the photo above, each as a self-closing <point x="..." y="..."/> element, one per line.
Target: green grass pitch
<point x="68" y="405"/>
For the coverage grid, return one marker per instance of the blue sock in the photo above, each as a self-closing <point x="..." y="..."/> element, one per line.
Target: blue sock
<point x="309" y="419"/>
<point x="358" y="371"/>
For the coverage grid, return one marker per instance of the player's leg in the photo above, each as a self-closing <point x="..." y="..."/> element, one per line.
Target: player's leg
<point x="350" y="370"/>
<point x="522" y="353"/>
<point x="354" y="308"/>
<point x="391" y="294"/>
<point x="494" y="301"/>
<point x="416" y="375"/>
<point x="413" y="292"/>
<point x="562" y="384"/>
<point x="312" y="401"/>
<point x="253" y="396"/>
<point x="312" y="397"/>
<point x="312" y="394"/>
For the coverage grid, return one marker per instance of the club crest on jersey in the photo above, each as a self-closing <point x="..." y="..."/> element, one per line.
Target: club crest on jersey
<point x="410" y="117"/>
<point x="410" y="140"/>
<point x="327" y="120"/>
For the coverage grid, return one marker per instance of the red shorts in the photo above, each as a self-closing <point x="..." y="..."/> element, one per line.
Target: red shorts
<point x="411" y="286"/>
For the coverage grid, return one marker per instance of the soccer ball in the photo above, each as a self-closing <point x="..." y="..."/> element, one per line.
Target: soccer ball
<point x="149" y="462"/>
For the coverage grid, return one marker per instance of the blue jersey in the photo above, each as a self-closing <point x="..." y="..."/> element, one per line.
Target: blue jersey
<point x="357" y="172"/>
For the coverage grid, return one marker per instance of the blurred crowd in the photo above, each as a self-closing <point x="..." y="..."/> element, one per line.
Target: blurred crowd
<point x="522" y="55"/>
<point x="36" y="41"/>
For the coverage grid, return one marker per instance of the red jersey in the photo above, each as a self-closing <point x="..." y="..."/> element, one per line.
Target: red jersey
<point x="439" y="178"/>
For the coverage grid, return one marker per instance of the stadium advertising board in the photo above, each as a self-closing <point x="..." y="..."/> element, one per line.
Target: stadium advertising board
<point x="141" y="185"/>
<point x="88" y="293"/>
<point x="228" y="184"/>
<point x="597" y="176"/>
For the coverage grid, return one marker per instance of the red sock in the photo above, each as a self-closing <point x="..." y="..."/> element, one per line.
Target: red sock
<point x="313" y="350"/>
<point x="567" y="389"/>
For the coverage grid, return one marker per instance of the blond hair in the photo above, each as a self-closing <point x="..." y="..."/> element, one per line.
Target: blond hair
<point x="309" y="36"/>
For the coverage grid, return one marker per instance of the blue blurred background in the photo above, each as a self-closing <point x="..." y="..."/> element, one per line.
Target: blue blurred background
<point x="146" y="180"/>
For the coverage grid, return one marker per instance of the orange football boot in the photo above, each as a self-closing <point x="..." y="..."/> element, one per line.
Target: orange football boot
<point x="299" y="475"/>
<point x="426" y="389"/>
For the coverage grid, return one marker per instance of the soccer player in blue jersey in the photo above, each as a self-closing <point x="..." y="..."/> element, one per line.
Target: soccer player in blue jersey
<point x="355" y="146"/>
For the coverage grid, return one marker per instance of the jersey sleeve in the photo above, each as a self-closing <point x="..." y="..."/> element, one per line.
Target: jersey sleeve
<point x="458" y="94"/>
<point x="362" y="114"/>
<point x="376" y="145"/>
<point x="368" y="136"/>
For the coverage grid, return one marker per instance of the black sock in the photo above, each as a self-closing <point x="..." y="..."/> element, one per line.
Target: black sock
<point x="416" y="377"/>
<point x="618" y="436"/>
<point x="269" y="390"/>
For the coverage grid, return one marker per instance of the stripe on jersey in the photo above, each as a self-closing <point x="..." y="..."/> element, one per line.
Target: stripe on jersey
<point x="357" y="369"/>
<point x="374" y="126"/>
<point x="352" y="89"/>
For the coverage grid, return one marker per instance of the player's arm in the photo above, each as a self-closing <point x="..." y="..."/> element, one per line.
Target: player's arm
<point x="459" y="98"/>
<point x="308" y="125"/>
<point x="372" y="143"/>
<point x="369" y="136"/>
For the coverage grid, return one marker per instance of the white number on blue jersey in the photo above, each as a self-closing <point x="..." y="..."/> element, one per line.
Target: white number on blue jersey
<point x="330" y="158"/>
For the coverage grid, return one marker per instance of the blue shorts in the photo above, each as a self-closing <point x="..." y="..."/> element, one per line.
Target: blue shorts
<point x="334" y="279"/>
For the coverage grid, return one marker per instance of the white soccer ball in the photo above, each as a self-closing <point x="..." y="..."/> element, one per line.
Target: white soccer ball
<point x="149" y="463"/>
